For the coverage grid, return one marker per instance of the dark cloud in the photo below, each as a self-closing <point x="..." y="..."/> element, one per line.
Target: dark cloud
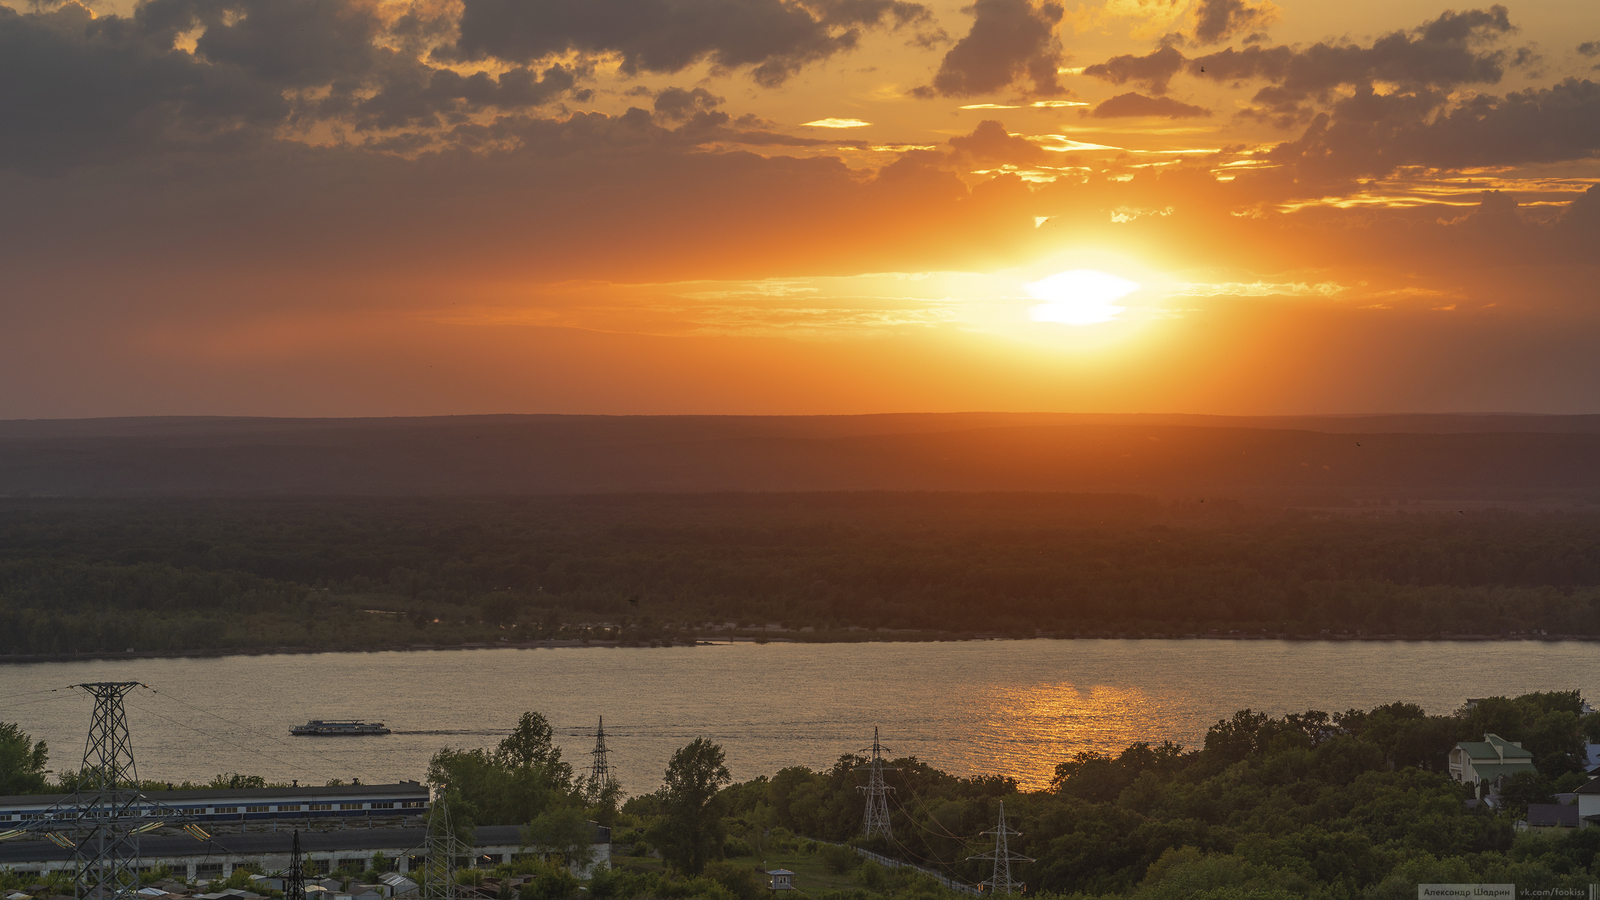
<point x="1589" y="48"/>
<point x="676" y="104"/>
<point x="772" y="38"/>
<point x="929" y="39"/>
<point x="1219" y="20"/>
<point x="1369" y="135"/>
<point x="1527" y="58"/>
<point x="1445" y="53"/>
<point x="1153" y="70"/>
<point x="701" y="123"/>
<point x="1010" y="40"/>
<point x="76" y="89"/>
<point x="293" y="43"/>
<point x="1134" y="104"/>
<point x="1583" y="214"/>
<point x="441" y="96"/>
<point x="991" y="142"/>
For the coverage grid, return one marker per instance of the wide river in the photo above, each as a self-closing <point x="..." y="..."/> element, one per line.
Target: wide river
<point x="997" y="707"/>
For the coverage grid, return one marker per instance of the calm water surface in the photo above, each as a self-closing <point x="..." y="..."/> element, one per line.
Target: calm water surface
<point x="998" y="707"/>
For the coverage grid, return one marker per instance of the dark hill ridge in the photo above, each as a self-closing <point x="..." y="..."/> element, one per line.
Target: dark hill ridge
<point x="1487" y="456"/>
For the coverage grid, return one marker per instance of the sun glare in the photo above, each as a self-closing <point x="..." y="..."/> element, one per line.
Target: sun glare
<point x="1079" y="297"/>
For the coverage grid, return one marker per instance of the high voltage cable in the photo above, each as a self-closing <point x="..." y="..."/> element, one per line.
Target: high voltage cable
<point x="949" y="871"/>
<point x="30" y="702"/>
<point x="923" y="805"/>
<point x="272" y="737"/>
<point x="29" y="693"/>
<point x="948" y="868"/>
<point x="225" y="740"/>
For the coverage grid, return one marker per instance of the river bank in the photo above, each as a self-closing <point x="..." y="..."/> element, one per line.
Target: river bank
<point x="859" y="637"/>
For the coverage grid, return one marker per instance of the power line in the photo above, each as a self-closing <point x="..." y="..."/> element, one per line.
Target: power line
<point x="30" y="693"/>
<point x="922" y="804"/>
<point x="215" y="737"/>
<point x="250" y="728"/>
<point x="11" y="706"/>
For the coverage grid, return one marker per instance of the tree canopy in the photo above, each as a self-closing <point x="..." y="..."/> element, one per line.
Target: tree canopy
<point x="96" y="576"/>
<point x="522" y="778"/>
<point x="22" y="762"/>
<point x="690" y="832"/>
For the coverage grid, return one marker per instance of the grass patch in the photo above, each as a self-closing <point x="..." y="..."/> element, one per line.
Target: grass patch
<point x="810" y="874"/>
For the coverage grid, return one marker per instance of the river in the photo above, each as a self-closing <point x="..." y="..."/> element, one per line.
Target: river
<point x="994" y="707"/>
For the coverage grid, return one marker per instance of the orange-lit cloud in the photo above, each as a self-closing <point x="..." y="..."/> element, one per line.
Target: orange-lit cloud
<point x="349" y="206"/>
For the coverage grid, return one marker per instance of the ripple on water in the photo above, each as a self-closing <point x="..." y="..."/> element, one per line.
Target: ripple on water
<point x="993" y="707"/>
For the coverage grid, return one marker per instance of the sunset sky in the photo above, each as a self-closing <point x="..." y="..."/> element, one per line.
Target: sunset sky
<point x="371" y="207"/>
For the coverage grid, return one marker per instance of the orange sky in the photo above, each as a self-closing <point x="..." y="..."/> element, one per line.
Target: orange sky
<point x="364" y="207"/>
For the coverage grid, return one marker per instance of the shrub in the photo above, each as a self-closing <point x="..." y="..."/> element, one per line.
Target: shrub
<point x="839" y="860"/>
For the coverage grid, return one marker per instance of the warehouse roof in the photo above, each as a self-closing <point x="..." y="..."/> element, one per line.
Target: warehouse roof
<point x="242" y="794"/>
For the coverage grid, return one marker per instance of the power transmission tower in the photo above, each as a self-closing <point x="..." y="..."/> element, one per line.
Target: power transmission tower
<point x="602" y="775"/>
<point x="876" y="820"/>
<point x="1000" y="882"/>
<point x="439" y="869"/>
<point x="102" y="819"/>
<point x="294" y="886"/>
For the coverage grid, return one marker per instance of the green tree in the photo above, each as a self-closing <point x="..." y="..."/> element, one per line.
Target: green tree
<point x="235" y="781"/>
<point x="22" y="762"/>
<point x="521" y="779"/>
<point x="1523" y="788"/>
<point x="565" y="832"/>
<point x="690" y="833"/>
<point x="530" y="748"/>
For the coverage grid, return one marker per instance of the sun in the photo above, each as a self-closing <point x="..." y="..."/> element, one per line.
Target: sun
<point x="1079" y="297"/>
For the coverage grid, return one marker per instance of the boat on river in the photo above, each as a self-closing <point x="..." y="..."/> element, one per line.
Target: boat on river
<point x="319" y="728"/>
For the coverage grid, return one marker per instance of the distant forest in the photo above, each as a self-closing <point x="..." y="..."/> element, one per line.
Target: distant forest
<point x="79" y="576"/>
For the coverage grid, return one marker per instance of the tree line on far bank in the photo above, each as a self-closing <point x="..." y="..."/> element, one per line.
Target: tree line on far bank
<point x="1339" y="806"/>
<point x="170" y="576"/>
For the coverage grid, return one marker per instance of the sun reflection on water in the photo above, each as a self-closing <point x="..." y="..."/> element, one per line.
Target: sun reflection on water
<point x="1037" y="726"/>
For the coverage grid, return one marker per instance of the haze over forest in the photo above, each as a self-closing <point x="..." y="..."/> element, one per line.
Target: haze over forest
<point x="247" y="534"/>
<point x="1300" y="460"/>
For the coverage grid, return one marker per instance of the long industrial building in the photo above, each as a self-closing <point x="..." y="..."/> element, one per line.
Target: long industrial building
<point x="264" y="809"/>
<point x="324" y="851"/>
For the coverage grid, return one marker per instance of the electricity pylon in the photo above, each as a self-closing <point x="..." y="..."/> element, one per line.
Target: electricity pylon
<point x="100" y="822"/>
<point x="876" y="819"/>
<point x="439" y="867"/>
<point x="294" y="886"/>
<point x="1000" y="882"/>
<point x="602" y="775"/>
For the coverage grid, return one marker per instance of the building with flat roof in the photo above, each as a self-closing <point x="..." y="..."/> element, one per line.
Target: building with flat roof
<point x="321" y="852"/>
<point x="265" y="809"/>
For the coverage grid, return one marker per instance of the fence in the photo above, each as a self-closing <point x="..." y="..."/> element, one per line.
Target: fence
<point x="892" y="863"/>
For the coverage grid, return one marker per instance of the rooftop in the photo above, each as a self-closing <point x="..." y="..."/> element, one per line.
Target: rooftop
<point x="176" y="796"/>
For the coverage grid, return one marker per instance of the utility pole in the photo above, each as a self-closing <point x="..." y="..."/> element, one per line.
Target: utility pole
<point x="100" y="822"/>
<point x="1000" y="882"/>
<point x="602" y="775"/>
<point x="876" y="819"/>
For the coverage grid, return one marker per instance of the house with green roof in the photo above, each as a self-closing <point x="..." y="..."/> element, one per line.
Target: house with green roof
<point x="1489" y="760"/>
